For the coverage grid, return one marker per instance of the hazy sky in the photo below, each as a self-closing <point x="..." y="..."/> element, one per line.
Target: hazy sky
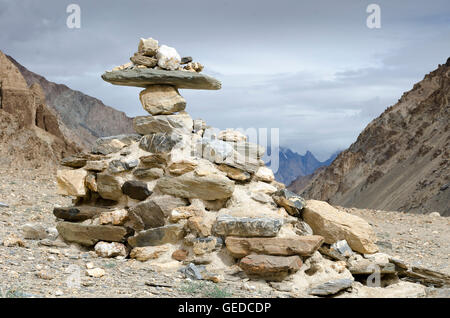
<point x="311" y="68"/>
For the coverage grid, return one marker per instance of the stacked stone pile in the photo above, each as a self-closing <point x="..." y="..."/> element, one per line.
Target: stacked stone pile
<point x="184" y="196"/>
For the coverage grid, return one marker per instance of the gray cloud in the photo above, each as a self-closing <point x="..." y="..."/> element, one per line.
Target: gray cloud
<point x="311" y="68"/>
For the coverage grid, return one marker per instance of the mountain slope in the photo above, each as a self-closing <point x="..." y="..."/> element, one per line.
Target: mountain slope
<point x="86" y="118"/>
<point x="293" y="165"/>
<point x="401" y="159"/>
<point x="30" y="132"/>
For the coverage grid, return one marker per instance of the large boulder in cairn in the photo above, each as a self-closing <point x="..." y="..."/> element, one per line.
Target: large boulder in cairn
<point x="268" y="267"/>
<point x="144" y="77"/>
<point x="190" y="185"/>
<point x="180" y="124"/>
<point x="171" y="233"/>
<point x="162" y="100"/>
<point x="90" y="234"/>
<point x="227" y="225"/>
<point x="335" y="225"/>
<point x="71" y="182"/>
<point x="302" y="245"/>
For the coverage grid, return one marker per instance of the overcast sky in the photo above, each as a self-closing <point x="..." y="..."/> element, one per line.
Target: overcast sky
<point x="311" y="68"/>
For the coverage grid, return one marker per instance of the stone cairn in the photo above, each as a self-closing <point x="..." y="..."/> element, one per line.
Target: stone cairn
<point x="182" y="196"/>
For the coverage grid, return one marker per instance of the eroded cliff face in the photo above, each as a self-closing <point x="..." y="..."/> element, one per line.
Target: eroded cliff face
<point x="86" y="118"/>
<point x="401" y="160"/>
<point x="31" y="133"/>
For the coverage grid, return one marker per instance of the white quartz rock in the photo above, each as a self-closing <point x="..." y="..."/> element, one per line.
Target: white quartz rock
<point x="168" y="58"/>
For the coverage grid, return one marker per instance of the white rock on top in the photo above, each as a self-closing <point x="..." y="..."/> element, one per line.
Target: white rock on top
<point x="168" y="58"/>
<point x="148" y="47"/>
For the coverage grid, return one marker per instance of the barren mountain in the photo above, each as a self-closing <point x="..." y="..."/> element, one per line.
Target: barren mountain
<point x="31" y="134"/>
<point x="86" y="117"/>
<point x="400" y="162"/>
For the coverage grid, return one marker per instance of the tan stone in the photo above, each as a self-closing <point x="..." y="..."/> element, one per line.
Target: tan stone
<point x="148" y="252"/>
<point x="90" y="234"/>
<point x="96" y="165"/>
<point x="182" y="166"/>
<point x="116" y="217"/>
<point x="148" y="47"/>
<point x="201" y="225"/>
<point x="268" y="267"/>
<point x="71" y="182"/>
<point x="231" y="135"/>
<point x="188" y="185"/>
<point x="335" y="225"/>
<point x="109" y="187"/>
<point x="162" y="100"/>
<point x="113" y="249"/>
<point x="91" y="182"/>
<point x="185" y="212"/>
<point x="235" y="173"/>
<point x="302" y="245"/>
<point x="96" y="272"/>
<point x="180" y="255"/>
<point x="264" y="174"/>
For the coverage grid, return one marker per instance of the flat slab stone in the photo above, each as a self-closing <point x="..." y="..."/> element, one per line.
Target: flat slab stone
<point x="90" y="234"/>
<point x="331" y="287"/>
<point x="143" y="77"/>
<point x="247" y="227"/>
<point x="268" y="267"/>
<point x="302" y="245"/>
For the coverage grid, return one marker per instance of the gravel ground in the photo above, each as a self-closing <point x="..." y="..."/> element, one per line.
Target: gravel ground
<point x="44" y="268"/>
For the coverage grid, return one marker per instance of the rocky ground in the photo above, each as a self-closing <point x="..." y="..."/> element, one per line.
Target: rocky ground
<point x="42" y="268"/>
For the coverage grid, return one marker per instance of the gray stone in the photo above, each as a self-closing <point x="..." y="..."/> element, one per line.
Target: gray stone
<point x="151" y="173"/>
<point x="116" y="166"/>
<point x="137" y="190"/>
<point x="90" y="234"/>
<point x="78" y="213"/>
<point x="143" y="77"/>
<point x="247" y="227"/>
<point x="342" y="248"/>
<point x="331" y="287"/>
<point x="191" y="271"/>
<point x="186" y="59"/>
<point x="293" y="203"/>
<point x="158" y="236"/>
<point x="34" y="231"/>
<point x="146" y="215"/>
<point x="159" y="142"/>
<point x="302" y="228"/>
<point x="215" y="150"/>
<point x="180" y="124"/>
<point x="108" y="145"/>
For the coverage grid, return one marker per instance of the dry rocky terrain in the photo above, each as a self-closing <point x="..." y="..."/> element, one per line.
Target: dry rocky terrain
<point x="42" y="267"/>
